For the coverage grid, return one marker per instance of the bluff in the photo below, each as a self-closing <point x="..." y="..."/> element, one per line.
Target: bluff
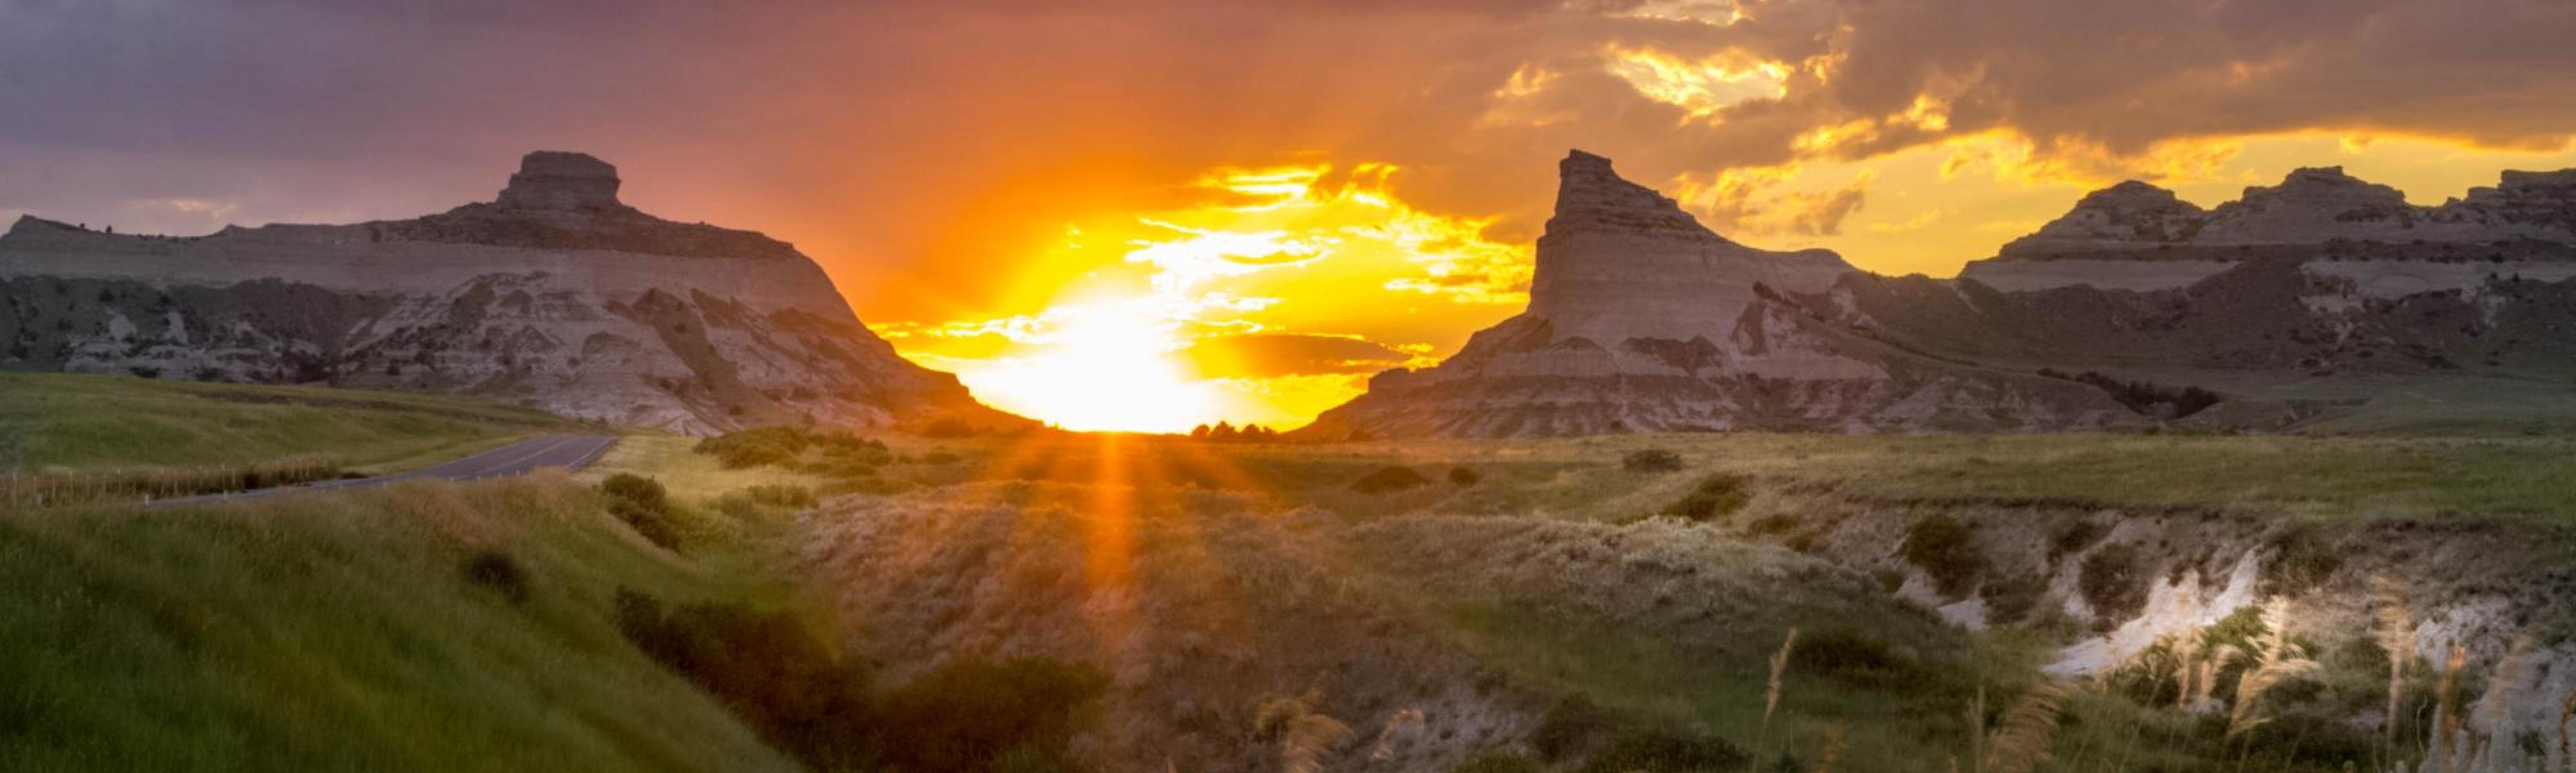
<point x="555" y="295"/>
<point x="2317" y="300"/>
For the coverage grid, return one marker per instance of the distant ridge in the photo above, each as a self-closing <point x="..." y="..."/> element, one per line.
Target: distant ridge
<point x="2301" y="303"/>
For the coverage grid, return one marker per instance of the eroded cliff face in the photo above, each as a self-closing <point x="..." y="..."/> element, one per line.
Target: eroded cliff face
<point x="554" y="295"/>
<point x="2115" y="315"/>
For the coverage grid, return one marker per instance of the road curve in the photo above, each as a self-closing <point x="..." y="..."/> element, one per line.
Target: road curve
<point x="520" y="458"/>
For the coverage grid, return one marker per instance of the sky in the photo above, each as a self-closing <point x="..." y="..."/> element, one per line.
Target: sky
<point x="1147" y="214"/>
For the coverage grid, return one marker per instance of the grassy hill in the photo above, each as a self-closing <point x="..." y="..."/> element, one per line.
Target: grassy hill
<point x="348" y="632"/>
<point x="62" y="422"/>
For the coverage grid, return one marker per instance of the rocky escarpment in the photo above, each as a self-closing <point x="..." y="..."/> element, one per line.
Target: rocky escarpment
<point x="2114" y="315"/>
<point x="555" y="295"/>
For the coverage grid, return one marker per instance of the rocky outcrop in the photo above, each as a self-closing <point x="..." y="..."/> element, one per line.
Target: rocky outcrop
<point x="1641" y="319"/>
<point x="555" y="295"/>
<point x="2116" y="315"/>
<point x="2135" y="220"/>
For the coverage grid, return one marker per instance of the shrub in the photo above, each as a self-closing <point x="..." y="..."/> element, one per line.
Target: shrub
<point x="1652" y="460"/>
<point x="1498" y="762"/>
<point x="498" y="571"/>
<point x="1463" y="477"/>
<point x="1716" y="496"/>
<point x="2074" y="536"/>
<point x="782" y="495"/>
<point x="768" y="667"/>
<point x="965" y="716"/>
<point x="2303" y="557"/>
<point x="636" y="488"/>
<point x="1389" y="479"/>
<point x="2009" y="600"/>
<point x="2113" y="583"/>
<point x="1666" y="751"/>
<point x="1945" y="549"/>
<point x="1573" y="726"/>
<point x="871" y="486"/>
<point x="783" y="446"/>
<point x="1855" y="658"/>
<point x="644" y="505"/>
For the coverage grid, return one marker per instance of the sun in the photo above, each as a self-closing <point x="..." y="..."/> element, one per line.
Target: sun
<point x="1105" y="367"/>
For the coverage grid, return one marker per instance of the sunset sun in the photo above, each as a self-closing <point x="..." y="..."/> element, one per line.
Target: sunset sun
<point x="1109" y="367"/>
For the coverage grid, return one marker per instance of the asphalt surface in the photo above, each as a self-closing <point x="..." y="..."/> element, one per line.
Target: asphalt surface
<point x="520" y="458"/>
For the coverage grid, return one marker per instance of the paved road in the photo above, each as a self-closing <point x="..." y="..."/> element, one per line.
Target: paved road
<point x="520" y="458"/>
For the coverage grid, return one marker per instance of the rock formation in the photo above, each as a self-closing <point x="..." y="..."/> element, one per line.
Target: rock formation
<point x="2296" y="303"/>
<point x="555" y="295"/>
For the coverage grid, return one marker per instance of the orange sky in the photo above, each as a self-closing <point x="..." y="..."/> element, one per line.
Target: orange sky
<point x="1149" y="213"/>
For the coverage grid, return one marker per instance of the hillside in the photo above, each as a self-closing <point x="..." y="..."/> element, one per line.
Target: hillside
<point x="555" y="295"/>
<point x="66" y="422"/>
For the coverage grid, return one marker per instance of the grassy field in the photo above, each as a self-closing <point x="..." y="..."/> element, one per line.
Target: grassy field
<point x="347" y="632"/>
<point x="61" y="422"/>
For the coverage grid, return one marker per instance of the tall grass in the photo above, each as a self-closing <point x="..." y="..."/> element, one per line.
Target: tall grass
<point x="2446" y="709"/>
<point x="2020" y="743"/>
<point x="2276" y="659"/>
<point x="1303" y="735"/>
<point x="2395" y="633"/>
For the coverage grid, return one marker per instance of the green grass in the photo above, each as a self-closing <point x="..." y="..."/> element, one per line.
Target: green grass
<point x="694" y="479"/>
<point x="2530" y="477"/>
<point x="340" y="632"/>
<point x="1908" y="719"/>
<point x="59" y="422"/>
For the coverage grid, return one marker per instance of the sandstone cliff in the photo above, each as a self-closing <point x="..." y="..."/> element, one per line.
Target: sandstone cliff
<point x="2311" y="299"/>
<point x="555" y="295"/>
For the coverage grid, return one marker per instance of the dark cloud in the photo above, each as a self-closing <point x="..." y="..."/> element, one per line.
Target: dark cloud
<point x="920" y="149"/>
<point x="1268" y="355"/>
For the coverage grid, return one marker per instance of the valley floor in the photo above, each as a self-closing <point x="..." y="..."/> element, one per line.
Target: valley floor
<point x="1658" y="603"/>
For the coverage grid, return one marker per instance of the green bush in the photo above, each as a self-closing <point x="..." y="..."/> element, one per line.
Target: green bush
<point x="638" y="489"/>
<point x="498" y="571"/>
<point x="1389" y="479"/>
<point x="1716" y="496"/>
<point x="871" y="486"/>
<point x="645" y="506"/>
<point x="1775" y="523"/>
<point x="1573" y="726"/>
<point x="784" y="446"/>
<point x="2074" y="536"/>
<point x="1652" y="460"/>
<point x="969" y="714"/>
<point x="782" y="495"/>
<point x="2113" y="582"/>
<point x="1666" y="751"/>
<point x="1858" y="659"/>
<point x="768" y="668"/>
<point x="1944" y="548"/>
